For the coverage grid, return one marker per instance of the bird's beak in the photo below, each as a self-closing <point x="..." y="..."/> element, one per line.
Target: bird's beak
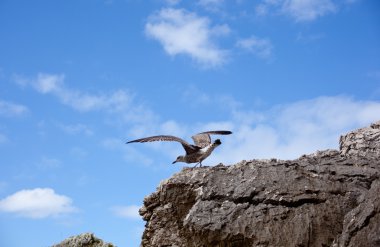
<point x="174" y="162"/>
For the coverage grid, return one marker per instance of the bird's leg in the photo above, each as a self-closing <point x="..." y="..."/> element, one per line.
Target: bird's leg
<point x="196" y="164"/>
<point x="200" y="163"/>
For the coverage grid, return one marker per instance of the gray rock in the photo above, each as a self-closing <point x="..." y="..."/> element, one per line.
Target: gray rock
<point x="83" y="240"/>
<point x="362" y="142"/>
<point x="329" y="198"/>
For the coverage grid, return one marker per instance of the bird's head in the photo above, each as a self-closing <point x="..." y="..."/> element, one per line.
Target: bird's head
<point x="179" y="159"/>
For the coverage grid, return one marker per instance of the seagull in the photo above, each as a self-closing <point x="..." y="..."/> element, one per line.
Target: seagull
<point x="194" y="153"/>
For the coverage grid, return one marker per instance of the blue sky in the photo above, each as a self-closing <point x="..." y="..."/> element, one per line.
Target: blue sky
<point x="80" y="78"/>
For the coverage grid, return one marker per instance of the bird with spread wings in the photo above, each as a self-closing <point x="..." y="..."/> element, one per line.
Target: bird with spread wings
<point x="195" y="153"/>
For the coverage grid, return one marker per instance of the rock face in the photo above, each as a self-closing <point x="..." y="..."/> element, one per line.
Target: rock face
<point x="329" y="198"/>
<point x="83" y="240"/>
<point x="362" y="142"/>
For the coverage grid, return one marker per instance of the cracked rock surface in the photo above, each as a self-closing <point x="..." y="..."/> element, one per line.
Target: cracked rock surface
<point x="329" y="198"/>
<point x="83" y="240"/>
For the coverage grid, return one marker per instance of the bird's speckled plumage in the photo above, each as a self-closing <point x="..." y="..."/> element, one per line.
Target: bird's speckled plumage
<point x="194" y="153"/>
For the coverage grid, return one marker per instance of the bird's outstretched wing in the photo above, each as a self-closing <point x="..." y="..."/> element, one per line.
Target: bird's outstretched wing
<point x="188" y="147"/>
<point x="203" y="139"/>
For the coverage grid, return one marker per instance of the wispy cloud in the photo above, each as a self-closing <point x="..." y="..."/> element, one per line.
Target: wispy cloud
<point x="3" y="185"/>
<point x="262" y="48"/>
<point x="3" y="138"/>
<point x="283" y="131"/>
<point x="129" y="212"/>
<point x="195" y="96"/>
<point x="299" y="10"/>
<point x="210" y="2"/>
<point x="54" y="84"/>
<point x="129" y="152"/>
<point x="10" y="109"/>
<point x="47" y="163"/>
<point x="78" y="152"/>
<point x="288" y="131"/>
<point x="262" y="9"/>
<point x="119" y="102"/>
<point x="37" y="203"/>
<point x="308" y="10"/>
<point x="75" y="129"/>
<point x="183" y="32"/>
<point x="211" y="5"/>
<point x="49" y="83"/>
<point x="374" y="74"/>
<point x="172" y="2"/>
<point x="309" y="38"/>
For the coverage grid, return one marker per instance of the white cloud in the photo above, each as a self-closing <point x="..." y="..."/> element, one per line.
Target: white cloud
<point x="130" y="212"/>
<point x="37" y="203"/>
<point x="308" y="10"/>
<point x="120" y="102"/>
<point x="283" y="131"/>
<point x="262" y="48"/>
<point x="54" y="84"/>
<point x="172" y="127"/>
<point x="10" y="109"/>
<point x="299" y="10"/>
<point x="115" y="101"/>
<point x="47" y="83"/>
<point x="288" y="131"/>
<point x="183" y="32"/>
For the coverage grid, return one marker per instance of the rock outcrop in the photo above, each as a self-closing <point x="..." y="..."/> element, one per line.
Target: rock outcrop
<point x="363" y="142"/>
<point x="329" y="198"/>
<point x="83" y="240"/>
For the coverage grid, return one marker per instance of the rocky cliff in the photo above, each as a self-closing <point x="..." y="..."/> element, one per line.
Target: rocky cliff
<point x="329" y="198"/>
